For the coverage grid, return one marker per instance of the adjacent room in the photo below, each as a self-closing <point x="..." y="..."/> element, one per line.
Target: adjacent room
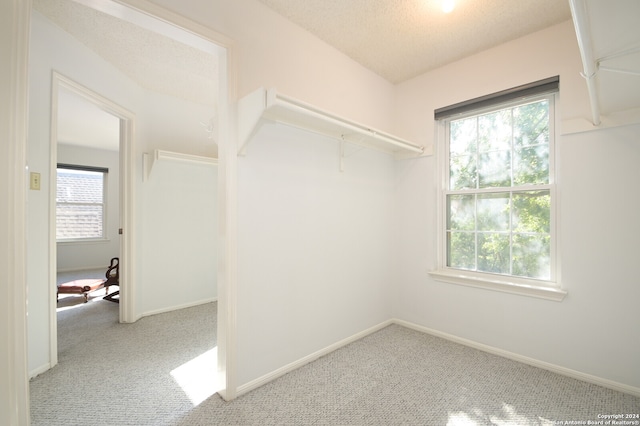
<point x="349" y="212"/>
<point x="87" y="200"/>
<point x="109" y="111"/>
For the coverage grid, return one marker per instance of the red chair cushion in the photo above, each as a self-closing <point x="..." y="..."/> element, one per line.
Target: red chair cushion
<point x="81" y="286"/>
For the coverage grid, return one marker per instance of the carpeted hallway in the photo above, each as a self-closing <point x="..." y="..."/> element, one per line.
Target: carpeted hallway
<point x="125" y="374"/>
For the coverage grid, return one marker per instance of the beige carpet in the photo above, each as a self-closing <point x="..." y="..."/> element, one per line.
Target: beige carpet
<point x="124" y="374"/>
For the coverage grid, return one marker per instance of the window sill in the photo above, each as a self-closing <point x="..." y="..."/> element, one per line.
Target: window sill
<point x="498" y="283"/>
<point x="84" y="241"/>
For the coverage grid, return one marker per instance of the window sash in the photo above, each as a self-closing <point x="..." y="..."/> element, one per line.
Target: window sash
<point x="81" y="208"/>
<point x="445" y="192"/>
<point x="520" y="243"/>
<point x="550" y="98"/>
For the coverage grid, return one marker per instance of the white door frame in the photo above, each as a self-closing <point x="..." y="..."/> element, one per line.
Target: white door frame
<point x="15" y="19"/>
<point x="227" y="185"/>
<point x="16" y="25"/>
<point x="126" y="195"/>
<point x="227" y="188"/>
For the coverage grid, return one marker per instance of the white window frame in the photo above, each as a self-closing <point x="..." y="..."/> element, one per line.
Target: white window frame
<point x="545" y="289"/>
<point x="105" y="176"/>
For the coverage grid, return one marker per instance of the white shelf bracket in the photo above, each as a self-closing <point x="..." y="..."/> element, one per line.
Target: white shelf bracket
<point x="360" y="143"/>
<point x="344" y="142"/>
<point x="250" y="111"/>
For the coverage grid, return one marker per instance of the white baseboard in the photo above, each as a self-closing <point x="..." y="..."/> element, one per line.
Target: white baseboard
<point x="39" y="370"/>
<point x="83" y="268"/>
<point x="610" y="384"/>
<point x="260" y="381"/>
<point x="177" y="307"/>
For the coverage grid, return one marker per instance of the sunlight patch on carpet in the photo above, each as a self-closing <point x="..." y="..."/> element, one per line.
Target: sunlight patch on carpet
<point x="73" y="301"/>
<point x="460" y="419"/>
<point x="508" y="416"/>
<point x="198" y="378"/>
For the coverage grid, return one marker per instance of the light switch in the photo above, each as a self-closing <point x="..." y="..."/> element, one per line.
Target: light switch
<point x="34" y="181"/>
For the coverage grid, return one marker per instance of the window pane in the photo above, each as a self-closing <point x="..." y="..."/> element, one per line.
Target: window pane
<point x="532" y="256"/>
<point x="463" y="136"/>
<point x="531" y="165"/>
<point x="78" y="186"/>
<point x="79" y="204"/>
<point x="494" y="169"/>
<point x="462" y="172"/>
<point x="461" y="212"/>
<point x="493" y="253"/>
<point x="531" y="124"/>
<point x="493" y="212"/>
<point x="495" y="131"/>
<point x="78" y="221"/>
<point x="461" y="250"/>
<point x="462" y="147"/>
<point x="532" y="212"/>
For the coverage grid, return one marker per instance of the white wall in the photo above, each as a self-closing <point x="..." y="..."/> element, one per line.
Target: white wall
<point x="173" y="124"/>
<point x="73" y="256"/>
<point x="179" y="236"/>
<point x="594" y="329"/>
<point x="314" y="246"/>
<point x="178" y="215"/>
<point x="273" y="52"/>
<point x="54" y="49"/>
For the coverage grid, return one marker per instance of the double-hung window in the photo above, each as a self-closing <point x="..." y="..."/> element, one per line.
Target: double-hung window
<point x="497" y="227"/>
<point x="80" y="203"/>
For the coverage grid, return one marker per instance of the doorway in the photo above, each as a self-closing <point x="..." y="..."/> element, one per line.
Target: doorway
<point x="18" y="24"/>
<point x="87" y="156"/>
<point x="92" y="133"/>
<point x="131" y="172"/>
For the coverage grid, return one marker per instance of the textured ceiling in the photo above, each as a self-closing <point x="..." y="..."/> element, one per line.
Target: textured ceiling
<point x="155" y="62"/>
<point x="400" y="39"/>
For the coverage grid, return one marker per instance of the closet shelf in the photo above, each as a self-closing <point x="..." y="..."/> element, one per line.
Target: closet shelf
<point x="269" y="105"/>
<point x="150" y="160"/>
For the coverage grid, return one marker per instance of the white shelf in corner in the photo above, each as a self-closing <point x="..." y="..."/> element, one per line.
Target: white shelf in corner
<point x="270" y="105"/>
<point x="160" y="155"/>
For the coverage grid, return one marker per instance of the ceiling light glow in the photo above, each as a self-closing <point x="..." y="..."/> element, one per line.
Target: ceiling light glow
<point x="448" y="5"/>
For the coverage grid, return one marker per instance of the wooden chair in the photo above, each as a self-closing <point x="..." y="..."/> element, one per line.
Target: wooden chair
<point x="113" y="278"/>
<point x="89" y="285"/>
